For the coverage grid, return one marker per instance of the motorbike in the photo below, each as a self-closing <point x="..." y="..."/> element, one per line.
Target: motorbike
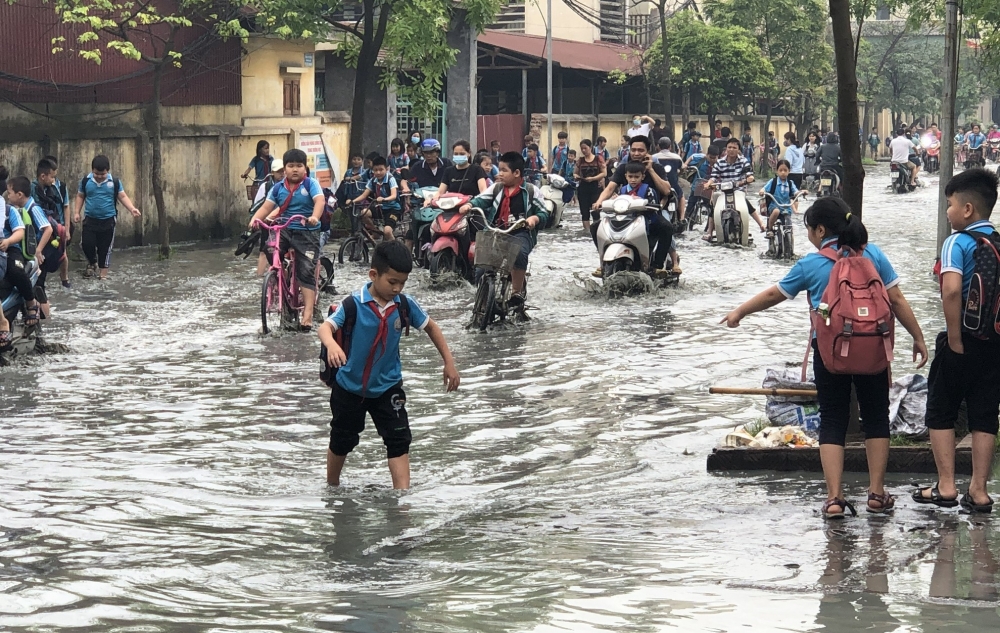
<point x="994" y="154"/>
<point x="445" y="253"/>
<point x="422" y="215"/>
<point x="829" y="183"/>
<point x="25" y="338"/>
<point x="900" y="182"/>
<point x="623" y="242"/>
<point x="932" y="151"/>
<point x="552" y="191"/>
<point x="732" y="217"/>
<point x="781" y="244"/>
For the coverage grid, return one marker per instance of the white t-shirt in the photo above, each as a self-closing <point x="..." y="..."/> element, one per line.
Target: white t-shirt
<point x="900" y="147"/>
<point x="642" y="130"/>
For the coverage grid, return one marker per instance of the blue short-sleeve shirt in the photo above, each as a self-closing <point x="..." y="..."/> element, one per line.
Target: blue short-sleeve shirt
<point x="812" y="273"/>
<point x="261" y="167"/>
<point x="783" y="192"/>
<point x="303" y="200"/>
<point x="38" y="216"/>
<point x="382" y="188"/>
<point x="12" y="222"/>
<point x="958" y="254"/>
<point x="100" y="197"/>
<point x="386" y="368"/>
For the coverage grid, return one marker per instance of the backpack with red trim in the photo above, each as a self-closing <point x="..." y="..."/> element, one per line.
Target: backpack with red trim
<point x="855" y="332"/>
<point x="981" y="312"/>
<point x="327" y="372"/>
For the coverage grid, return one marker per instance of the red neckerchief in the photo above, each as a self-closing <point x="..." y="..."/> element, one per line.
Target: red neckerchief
<point x="632" y="191"/>
<point x="503" y="215"/>
<point x="381" y="338"/>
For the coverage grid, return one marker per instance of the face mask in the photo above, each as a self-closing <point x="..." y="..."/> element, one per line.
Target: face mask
<point x="414" y="139"/>
<point x="636" y="121"/>
<point x="460" y="159"/>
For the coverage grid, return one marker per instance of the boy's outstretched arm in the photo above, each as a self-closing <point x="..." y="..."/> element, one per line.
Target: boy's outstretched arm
<point x="451" y="379"/>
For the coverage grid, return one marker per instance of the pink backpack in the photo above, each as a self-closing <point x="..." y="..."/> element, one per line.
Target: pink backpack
<point x="854" y="325"/>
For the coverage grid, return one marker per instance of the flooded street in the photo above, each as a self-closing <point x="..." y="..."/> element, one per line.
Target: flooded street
<point x="168" y="473"/>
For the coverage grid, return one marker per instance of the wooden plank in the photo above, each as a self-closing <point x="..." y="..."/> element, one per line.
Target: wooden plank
<point x="902" y="459"/>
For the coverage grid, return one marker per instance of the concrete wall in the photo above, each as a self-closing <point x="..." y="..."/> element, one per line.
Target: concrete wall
<point x="566" y="24"/>
<point x="339" y="96"/>
<point x="263" y="76"/>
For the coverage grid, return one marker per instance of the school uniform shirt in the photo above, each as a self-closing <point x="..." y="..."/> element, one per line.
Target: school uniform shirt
<point x="958" y="254"/>
<point x="559" y="156"/>
<point x="303" y="199"/>
<point x="398" y="162"/>
<point x="38" y="215"/>
<point x="603" y="153"/>
<point x="568" y="172"/>
<point x="650" y="194"/>
<point x="383" y="189"/>
<point x="812" y="273"/>
<point x="261" y="167"/>
<point x="12" y="221"/>
<point x="374" y="346"/>
<point x="49" y="198"/>
<point x="796" y="159"/>
<point x="975" y="141"/>
<point x="692" y="147"/>
<point x="783" y="190"/>
<point x="99" y="202"/>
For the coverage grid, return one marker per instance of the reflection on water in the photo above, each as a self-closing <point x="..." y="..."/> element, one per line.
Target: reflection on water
<point x="167" y="474"/>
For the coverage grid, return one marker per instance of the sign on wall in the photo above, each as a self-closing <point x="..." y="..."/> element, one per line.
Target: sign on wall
<point x="317" y="159"/>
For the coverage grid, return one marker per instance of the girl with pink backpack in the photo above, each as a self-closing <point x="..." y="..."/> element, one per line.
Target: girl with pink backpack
<point x="854" y="301"/>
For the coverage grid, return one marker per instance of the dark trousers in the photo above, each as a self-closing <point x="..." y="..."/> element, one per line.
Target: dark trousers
<point x="15" y="275"/>
<point x="587" y="194"/>
<point x="98" y="237"/>
<point x="834" y="395"/>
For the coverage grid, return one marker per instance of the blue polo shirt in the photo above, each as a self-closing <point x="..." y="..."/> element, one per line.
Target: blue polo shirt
<point x="386" y="369"/>
<point x="302" y="203"/>
<point x="812" y="273"/>
<point x="383" y="189"/>
<point x="560" y="154"/>
<point x="12" y="222"/>
<point x="783" y="192"/>
<point x="100" y="197"/>
<point x="958" y="254"/>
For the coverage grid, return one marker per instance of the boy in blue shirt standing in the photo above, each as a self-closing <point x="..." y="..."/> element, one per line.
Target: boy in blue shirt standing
<point x="297" y="195"/>
<point x="560" y="154"/>
<point x="369" y="378"/>
<point x="98" y="196"/>
<point x="965" y="367"/>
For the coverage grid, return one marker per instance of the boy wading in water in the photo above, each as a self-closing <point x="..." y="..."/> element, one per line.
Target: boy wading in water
<point x="369" y="378"/>
<point x="966" y="363"/>
<point x="832" y="228"/>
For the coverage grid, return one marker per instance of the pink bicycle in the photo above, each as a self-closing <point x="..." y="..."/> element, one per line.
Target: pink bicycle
<point x="281" y="303"/>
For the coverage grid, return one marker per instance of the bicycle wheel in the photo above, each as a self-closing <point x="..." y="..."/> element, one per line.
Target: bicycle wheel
<point x="270" y="312"/>
<point x="354" y="249"/>
<point x="290" y="313"/>
<point x="483" y="308"/>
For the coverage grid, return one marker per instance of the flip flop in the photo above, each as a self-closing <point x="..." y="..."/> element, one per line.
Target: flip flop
<point x="934" y="499"/>
<point x="834" y="515"/>
<point x="970" y="506"/>
<point x="31" y="316"/>
<point x="886" y="503"/>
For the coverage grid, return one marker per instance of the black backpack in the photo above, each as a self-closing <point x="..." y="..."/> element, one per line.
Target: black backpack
<point x="981" y="313"/>
<point x="327" y="372"/>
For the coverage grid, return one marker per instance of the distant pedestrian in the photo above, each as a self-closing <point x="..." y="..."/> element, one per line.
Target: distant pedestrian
<point x="97" y="198"/>
<point x="260" y="164"/>
<point x="966" y="365"/>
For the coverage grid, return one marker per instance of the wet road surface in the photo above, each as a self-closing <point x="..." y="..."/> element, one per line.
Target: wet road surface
<point x="167" y="474"/>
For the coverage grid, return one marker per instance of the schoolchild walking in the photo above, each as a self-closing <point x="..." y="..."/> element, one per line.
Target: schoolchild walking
<point x="845" y="255"/>
<point x="97" y="198"/>
<point x="966" y="363"/>
<point x="361" y="341"/>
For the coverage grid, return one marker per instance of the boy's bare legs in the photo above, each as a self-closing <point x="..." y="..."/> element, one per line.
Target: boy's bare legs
<point x="399" y="469"/>
<point x="772" y="219"/>
<point x="943" y="445"/>
<point x="517" y="280"/>
<point x="983" y="445"/>
<point x="262" y="264"/>
<point x="64" y="269"/>
<point x="334" y="465"/>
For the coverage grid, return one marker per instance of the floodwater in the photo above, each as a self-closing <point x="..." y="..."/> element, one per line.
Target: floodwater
<point x="168" y="473"/>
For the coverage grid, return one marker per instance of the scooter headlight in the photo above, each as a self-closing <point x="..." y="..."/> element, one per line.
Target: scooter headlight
<point x="622" y="205"/>
<point x="446" y="204"/>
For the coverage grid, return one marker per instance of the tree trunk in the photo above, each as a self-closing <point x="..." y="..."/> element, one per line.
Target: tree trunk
<point x="154" y="127"/>
<point x="364" y="78"/>
<point x="711" y="127"/>
<point x="686" y="110"/>
<point x="765" y="166"/>
<point x="847" y="104"/>
<point x="668" y="110"/>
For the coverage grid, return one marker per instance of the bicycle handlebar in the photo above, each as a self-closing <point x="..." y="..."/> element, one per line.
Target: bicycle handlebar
<point x="522" y="223"/>
<point x="265" y="225"/>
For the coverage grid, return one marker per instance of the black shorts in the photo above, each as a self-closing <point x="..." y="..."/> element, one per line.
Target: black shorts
<point x="306" y="245"/>
<point x="390" y="217"/>
<point x="388" y="411"/>
<point x="973" y="377"/>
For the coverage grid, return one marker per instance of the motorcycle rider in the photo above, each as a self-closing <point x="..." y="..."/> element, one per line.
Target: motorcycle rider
<point x="429" y="170"/>
<point x="974" y="140"/>
<point x="829" y="157"/>
<point x="655" y="177"/>
<point x="993" y="138"/>
<point x="915" y="151"/>
<point x="508" y="201"/>
<point x="901" y="147"/>
<point x="659" y="247"/>
<point x="730" y="168"/>
<point x="671" y="163"/>
<point x="703" y="163"/>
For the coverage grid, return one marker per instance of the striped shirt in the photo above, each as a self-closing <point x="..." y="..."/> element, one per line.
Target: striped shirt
<point x="958" y="254"/>
<point x="724" y="171"/>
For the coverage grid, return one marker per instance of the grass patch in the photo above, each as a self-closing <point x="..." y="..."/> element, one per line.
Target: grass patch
<point x="871" y="162"/>
<point x="755" y="427"/>
<point x="902" y="440"/>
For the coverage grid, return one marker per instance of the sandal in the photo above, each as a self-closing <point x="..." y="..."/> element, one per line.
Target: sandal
<point x="839" y="514"/>
<point x="31" y="316"/>
<point x="886" y="503"/>
<point x="970" y="506"/>
<point x="6" y="340"/>
<point x="934" y="499"/>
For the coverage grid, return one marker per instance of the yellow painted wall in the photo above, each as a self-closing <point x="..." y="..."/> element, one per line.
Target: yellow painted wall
<point x="337" y="137"/>
<point x="263" y="78"/>
<point x="566" y="24"/>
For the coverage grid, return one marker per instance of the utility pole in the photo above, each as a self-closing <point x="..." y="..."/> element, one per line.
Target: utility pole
<point x="548" y="74"/>
<point x="951" y="52"/>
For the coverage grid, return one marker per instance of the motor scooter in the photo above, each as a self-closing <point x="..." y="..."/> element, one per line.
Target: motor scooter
<point x="932" y="151"/>
<point x="446" y="229"/>
<point x="623" y="243"/>
<point x="732" y="216"/>
<point x="829" y="183"/>
<point x="994" y="144"/>
<point x="25" y="338"/>
<point x="900" y="182"/>
<point x="552" y="192"/>
<point x="422" y="215"/>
